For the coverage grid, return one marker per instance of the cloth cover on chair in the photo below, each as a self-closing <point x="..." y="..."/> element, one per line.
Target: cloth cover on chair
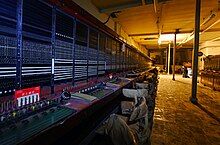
<point x="127" y="107"/>
<point x="128" y="131"/>
<point x="118" y="130"/>
<point x="142" y="85"/>
<point x="132" y="93"/>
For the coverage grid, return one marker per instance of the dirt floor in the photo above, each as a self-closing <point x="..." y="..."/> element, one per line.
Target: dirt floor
<point x="179" y="122"/>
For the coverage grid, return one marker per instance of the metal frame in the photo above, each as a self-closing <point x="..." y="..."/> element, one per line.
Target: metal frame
<point x="19" y="53"/>
<point x="19" y="43"/>
<point x="98" y="56"/>
<point x="76" y="20"/>
<point x="53" y="39"/>
<point x="74" y="40"/>
<point x="87" y="77"/>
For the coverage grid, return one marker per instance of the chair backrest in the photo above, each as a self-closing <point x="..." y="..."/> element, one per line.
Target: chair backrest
<point x="135" y="93"/>
<point x="130" y="93"/>
<point x="142" y="85"/>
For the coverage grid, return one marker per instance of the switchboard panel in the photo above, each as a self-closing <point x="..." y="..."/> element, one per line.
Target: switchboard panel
<point x="133" y="61"/>
<point x="54" y="48"/>
<point x="8" y="16"/>
<point x="101" y="55"/>
<point x="108" y="52"/>
<point x="132" y="58"/>
<point x="37" y="48"/>
<point x="93" y="53"/>
<point x="114" y="54"/>
<point x="64" y="49"/>
<point x="127" y="57"/>
<point x="118" y="56"/>
<point x="81" y="68"/>
<point x="37" y="20"/>
<point x="122" y="55"/>
<point x="8" y="46"/>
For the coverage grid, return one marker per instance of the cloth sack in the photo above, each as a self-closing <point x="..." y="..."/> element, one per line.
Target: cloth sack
<point x="118" y="130"/>
<point x="127" y="107"/>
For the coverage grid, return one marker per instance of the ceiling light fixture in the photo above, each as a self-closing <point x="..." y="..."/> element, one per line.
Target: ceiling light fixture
<point x="165" y="38"/>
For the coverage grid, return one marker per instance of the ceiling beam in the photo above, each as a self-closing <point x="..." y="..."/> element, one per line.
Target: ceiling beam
<point x="214" y="39"/>
<point x="163" y="46"/>
<point x="181" y="32"/>
<point x="137" y="3"/>
<point x="121" y="7"/>
<point x="149" y="34"/>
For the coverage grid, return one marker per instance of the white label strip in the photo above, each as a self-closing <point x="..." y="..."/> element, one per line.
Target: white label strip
<point x="52" y="65"/>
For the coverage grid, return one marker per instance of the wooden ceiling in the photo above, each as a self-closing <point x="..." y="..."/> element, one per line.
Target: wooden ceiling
<point x="144" y="20"/>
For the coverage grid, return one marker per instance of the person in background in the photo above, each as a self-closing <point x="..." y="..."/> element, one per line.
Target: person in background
<point x="184" y="71"/>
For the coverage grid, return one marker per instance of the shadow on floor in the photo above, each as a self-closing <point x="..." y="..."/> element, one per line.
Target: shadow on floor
<point x="208" y="112"/>
<point x="199" y="86"/>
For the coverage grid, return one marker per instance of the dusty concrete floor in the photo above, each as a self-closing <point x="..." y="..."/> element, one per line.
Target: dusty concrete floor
<point x="179" y="122"/>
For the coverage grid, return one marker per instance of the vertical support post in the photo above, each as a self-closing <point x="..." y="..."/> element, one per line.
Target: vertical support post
<point x="123" y="61"/>
<point x="168" y="65"/>
<point x="174" y="56"/>
<point x="105" y="46"/>
<point x="116" y="57"/>
<point x="111" y="69"/>
<point x="19" y="43"/>
<point x="105" y="52"/>
<point x="120" y="58"/>
<point x="98" y="56"/>
<point x="129" y="60"/>
<point x="73" y="49"/>
<point x="87" y="55"/>
<point x="193" y="98"/>
<point x="53" y="47"/>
